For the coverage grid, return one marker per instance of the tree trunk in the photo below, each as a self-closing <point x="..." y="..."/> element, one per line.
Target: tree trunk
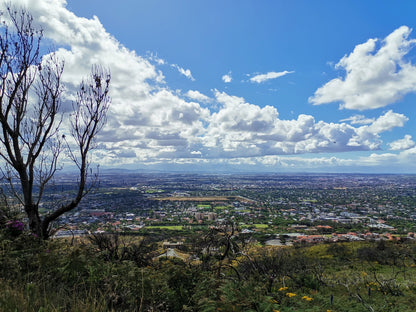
<point x="3" y="218"/>
<point x="34" y="219"/>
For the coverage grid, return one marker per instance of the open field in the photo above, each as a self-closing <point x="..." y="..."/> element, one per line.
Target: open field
<point x="165" y="227"/>
<point x="261" y="226"/>
<point x="196" y="198"/>
<point x="206" y="198"/>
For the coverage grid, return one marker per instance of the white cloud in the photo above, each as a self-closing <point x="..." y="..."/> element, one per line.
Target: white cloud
<point x="402" y="144"/>
<point x="145" y="117"/>
<point x="186" y="72"/>
<point x="374" y="78"/>
<point x="386" y="122"/>
<point x="153" y="57"/>
<point x="409" y="155"/>
<point x="358" y="120"/>
<point x="227" y="78"/>
<point x="85" y="42"/>
<point x="246" y="130"/>
<point x="149" y="123"/>
<point x="387" y="162"/>
<point x="197" y="96"/>
<point x="369" y="135"/>
<point x="270" y="75"/>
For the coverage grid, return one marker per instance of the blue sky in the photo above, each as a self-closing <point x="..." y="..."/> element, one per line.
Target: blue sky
<point x="271" y="86"/>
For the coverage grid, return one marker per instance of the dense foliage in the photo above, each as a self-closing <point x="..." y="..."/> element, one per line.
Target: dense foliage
<point x="108" y="272"/>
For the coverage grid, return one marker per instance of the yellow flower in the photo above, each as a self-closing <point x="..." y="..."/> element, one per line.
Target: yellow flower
<point x="290" y="295"/>
<point x="307" y="298"/>
<point x="283" y="288"/>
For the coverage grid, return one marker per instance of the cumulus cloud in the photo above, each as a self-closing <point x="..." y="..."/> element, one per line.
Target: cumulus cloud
<point x="227" y="78"/>
<point x="402" y="144"/>
<point x="186" y="72"/>
<point x="150" y="123"/>
<point x="89" y="43"/>
<point x="197" y="96"/>
<point x="247" y="130"/>
<point x="268" y="76"/>
<point x="386" y="122"/>
<point x="408" y="154"/>
<point x="369" y="135"/>
<point x="374" y="77"/>
<point x="145" y="117"/>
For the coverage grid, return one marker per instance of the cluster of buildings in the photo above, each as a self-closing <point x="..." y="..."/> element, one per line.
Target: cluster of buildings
<point x="307" y="204"/>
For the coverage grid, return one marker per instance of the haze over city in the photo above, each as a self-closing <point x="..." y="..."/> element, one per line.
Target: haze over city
<point x="276" y="86"/>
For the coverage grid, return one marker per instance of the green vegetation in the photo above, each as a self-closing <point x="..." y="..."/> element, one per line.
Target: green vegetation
<point x="153" y="191"/>
<point x="223" y="207"/>
<point x="166" y="227"/>
<point x="215" y="270"/>
<point x="261" y="226"/>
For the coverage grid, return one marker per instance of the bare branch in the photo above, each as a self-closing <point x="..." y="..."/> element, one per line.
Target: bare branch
<point x="30" y="99"/>
<point x="90" y="116"/>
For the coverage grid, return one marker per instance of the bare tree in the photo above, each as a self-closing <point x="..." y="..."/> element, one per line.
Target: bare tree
<point x="30" y="119"/>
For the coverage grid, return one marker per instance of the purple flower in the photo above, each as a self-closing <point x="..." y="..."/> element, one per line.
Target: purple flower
<point x="16" y="227"/>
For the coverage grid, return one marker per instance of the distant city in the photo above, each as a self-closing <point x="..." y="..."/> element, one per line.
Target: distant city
<point x="284" y="208"/>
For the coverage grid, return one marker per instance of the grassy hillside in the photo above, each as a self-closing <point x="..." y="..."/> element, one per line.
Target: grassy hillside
<point x="218" y="272"/>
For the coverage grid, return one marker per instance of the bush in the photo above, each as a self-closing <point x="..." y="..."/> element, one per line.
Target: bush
<point x="14" y="228"/>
